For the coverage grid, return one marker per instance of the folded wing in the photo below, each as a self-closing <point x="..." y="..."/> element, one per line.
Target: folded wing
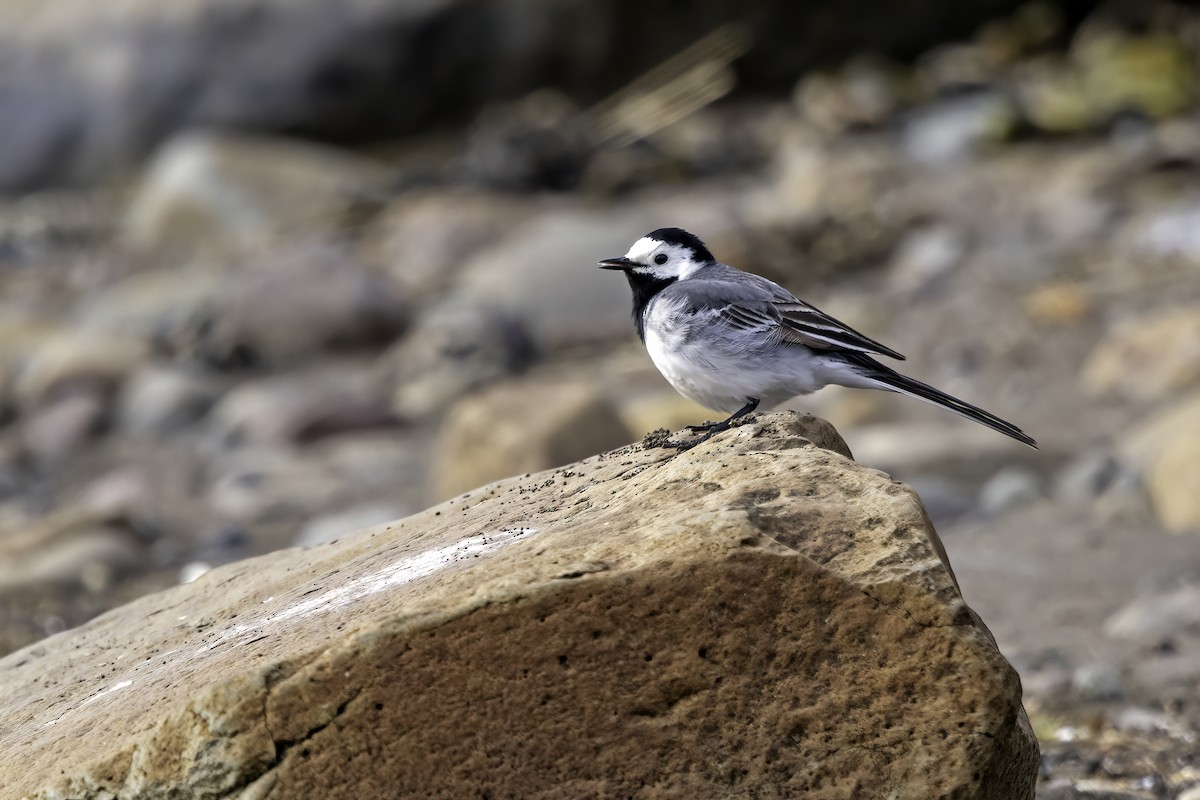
<point x="800" y="323"/>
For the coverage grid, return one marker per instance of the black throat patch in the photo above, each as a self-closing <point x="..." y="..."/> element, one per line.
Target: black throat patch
<point x="644" y="287"/>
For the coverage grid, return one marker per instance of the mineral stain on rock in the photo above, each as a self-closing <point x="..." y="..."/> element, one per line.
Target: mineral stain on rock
<point x="699" y="629"/>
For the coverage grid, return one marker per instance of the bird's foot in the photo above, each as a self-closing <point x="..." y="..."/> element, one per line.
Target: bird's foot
<point x="711" y="429"/>
<point x="690" y="443"/>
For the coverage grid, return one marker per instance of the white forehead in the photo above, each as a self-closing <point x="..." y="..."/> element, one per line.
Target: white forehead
<point x="682" y="264"/>
<point x="642" y="248"/>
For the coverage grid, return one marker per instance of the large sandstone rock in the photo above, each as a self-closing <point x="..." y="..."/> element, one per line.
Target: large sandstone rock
<point x="759" y="616"/>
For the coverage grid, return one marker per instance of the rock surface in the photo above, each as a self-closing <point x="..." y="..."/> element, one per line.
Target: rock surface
<point x="758" y="616"/>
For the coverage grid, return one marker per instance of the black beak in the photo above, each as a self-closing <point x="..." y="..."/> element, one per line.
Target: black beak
<point x="620" y="262"/>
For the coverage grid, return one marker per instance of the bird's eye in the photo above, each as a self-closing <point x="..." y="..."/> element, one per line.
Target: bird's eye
<point x="661" y="258"/>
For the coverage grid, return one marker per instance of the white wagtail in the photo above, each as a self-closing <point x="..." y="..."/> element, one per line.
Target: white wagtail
<point x="730" y="340"/>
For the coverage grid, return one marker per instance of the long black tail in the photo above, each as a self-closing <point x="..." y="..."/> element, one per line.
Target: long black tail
<point x="881" y="377"/>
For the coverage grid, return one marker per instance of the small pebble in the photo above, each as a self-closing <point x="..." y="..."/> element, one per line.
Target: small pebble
<point x="193" y="570"/>
<point x="1098" y="680"/>
<point x="1086" y="476"/>
<point x="1191" y="793"/>
<point x="1141" y="720"/>
<point x="1009" y="488"/>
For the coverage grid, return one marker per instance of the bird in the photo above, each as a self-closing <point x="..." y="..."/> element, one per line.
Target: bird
<point x="731" y="340"/>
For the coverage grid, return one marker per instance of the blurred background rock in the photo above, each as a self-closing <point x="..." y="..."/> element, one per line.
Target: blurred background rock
<point x="272" y="271"/>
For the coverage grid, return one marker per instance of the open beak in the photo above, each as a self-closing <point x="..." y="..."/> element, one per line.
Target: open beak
<point x="621" y="262"/>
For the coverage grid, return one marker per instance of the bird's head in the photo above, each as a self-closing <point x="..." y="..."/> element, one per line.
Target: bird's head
<point x="662" y="256"/>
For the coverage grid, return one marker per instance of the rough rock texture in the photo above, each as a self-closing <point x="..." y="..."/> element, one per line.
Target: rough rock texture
<point x="759" y="616"/>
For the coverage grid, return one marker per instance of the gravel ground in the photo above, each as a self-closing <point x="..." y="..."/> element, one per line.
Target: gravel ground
<point x="196" y="371"/>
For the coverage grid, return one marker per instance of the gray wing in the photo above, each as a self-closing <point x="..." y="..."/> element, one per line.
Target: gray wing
<point x="749" y="302"/>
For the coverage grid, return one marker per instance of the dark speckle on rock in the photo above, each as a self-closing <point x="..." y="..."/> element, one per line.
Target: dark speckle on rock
<point x="660" y="437"/>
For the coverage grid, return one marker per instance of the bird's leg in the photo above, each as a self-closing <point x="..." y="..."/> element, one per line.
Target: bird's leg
<point x="716" y="427"/>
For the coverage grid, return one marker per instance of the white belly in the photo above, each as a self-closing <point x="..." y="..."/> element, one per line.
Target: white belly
<point x="725" y="380"/>
<point x="725" y="372"/>
<point x="691" y="379"/>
